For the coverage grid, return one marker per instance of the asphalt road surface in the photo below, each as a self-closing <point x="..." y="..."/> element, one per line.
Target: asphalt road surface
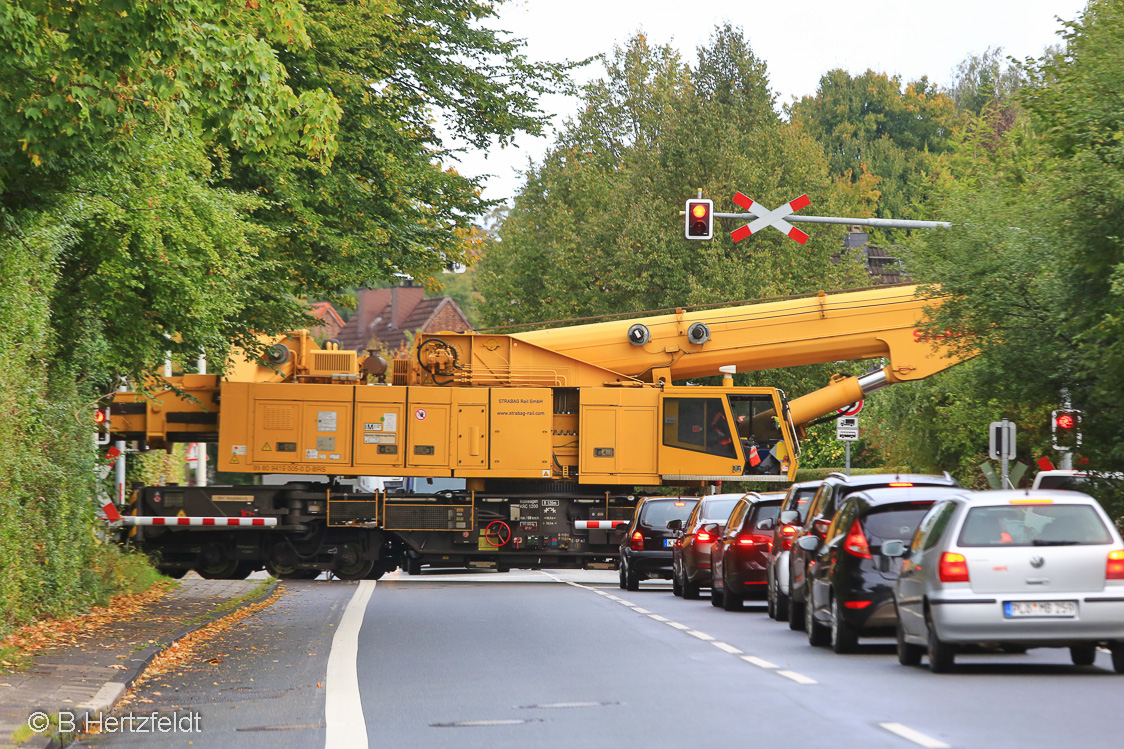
<point x="566" y="658"/>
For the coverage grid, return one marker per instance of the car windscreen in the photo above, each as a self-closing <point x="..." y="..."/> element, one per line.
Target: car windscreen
<point x="896" y="522"/>
<point x="1033" y="525"/>
<point x="762" y="511"/>
<point x="718" y="511"/>
<point x="658" y="514"/>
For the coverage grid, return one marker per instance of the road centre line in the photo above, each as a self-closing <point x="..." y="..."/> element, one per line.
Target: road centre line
<point x="701" y="635"/>
<point x="759" y="662"/>
<point x="639" y="610"/>
<point x="677" y="625"/>
<point x="916" y="737"/>
<point x="657" y="617"/>
<point x="343" y="703"/>
<point x="798" y="678"/>
<point x="727" y="648"/>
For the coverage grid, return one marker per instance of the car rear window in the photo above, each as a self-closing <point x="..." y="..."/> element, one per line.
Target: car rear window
<point x="761" y="512"/>
<point x="1033" y="525"/>
<point x="801" y="502"/>
<point x="718" y="510"/>
<point x="896" y="522"/>
<point x="1069" y="483"/>
<point x="658" y="514"/>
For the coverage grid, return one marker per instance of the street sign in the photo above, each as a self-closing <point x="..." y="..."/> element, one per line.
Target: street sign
<point x="847" y="428"/>
<point x="1001" y="440"/>
<point x="851" y="410"/>
<point x="774" y="218"/>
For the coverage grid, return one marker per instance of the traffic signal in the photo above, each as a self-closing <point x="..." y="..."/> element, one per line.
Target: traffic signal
<point x="699" y="222"/>
<point x="1066" y="428"/>
<point x="101" y="421"/>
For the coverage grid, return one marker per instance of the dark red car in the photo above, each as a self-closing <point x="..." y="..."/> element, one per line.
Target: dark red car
<point x="739" y="556"/>
<point x="690" y="563"/>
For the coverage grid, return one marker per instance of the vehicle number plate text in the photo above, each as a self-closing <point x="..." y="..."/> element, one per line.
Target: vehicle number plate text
<point x="669" y="542"/>
<point x="1022" y="609"/>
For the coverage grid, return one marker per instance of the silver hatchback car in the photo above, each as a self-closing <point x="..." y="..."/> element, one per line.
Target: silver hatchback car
<point x="1016" y="569"/>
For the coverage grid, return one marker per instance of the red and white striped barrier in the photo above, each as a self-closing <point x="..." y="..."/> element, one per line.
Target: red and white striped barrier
<point x="774" y="218"/>
<point x="598" y="525"/>
<point x="222" y="522"/>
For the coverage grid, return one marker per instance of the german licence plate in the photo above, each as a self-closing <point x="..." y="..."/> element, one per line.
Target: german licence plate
<point x="669" y="542"/>
<point x="1023" y="609"/>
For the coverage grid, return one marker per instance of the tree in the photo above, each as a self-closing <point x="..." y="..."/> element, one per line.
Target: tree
<point x="1033" y="269"/>
<point x="871" y="126"/>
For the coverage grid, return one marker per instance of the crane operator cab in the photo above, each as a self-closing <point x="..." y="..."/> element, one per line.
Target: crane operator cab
<point x="742" y="428"/>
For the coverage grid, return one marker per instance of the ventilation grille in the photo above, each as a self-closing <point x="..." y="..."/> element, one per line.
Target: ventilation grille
<point x="400" y="368"/>
<point x="427" y="518"/>
<point x="327" y="363"/>
<point x="279" y="418"/>
<point x="352" y="511"/>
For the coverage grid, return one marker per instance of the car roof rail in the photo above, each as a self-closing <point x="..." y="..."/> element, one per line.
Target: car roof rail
<point x="840" y="474"/>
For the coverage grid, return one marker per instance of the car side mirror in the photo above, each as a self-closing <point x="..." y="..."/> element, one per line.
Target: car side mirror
<point x="675" y="525"/>
<point x="808" y="543"/>
<point x="821" y="526"/>
<point x="893" y="548"/>
<point x="712" y="528"/>
<point x="766" y="525"/>
<point x="788" y="517"/>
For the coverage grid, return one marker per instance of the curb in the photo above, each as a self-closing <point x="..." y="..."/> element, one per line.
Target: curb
<point x="112" y="691"/>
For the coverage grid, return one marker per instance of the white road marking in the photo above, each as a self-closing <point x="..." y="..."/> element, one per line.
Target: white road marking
<point x="611" y="598"/>
<point x="760" y="662"/>
<point x="657" y="617"/>
<point x="701" y="635"/>
<point x="728" y="648"/>
<point x="915" y="736"/>
<point x="677" y="625"/>
<point x="642" y="611"/>
<point x="343" y="705"/>
<point x="623" y="602"/>
<point x="798" y="678"/>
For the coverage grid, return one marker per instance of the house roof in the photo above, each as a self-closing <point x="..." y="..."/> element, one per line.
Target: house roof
<point x="375" y="318"/>
<point x="326" y="312"/>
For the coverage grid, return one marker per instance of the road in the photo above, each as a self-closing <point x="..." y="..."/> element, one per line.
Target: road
<point x="566" y="658"/>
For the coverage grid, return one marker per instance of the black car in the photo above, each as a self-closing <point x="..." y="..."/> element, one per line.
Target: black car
<point x="835" y="488"/>
<point x="646" y="548"/>
<point x="793" y="511"/>
<point x="691" y="555"/>
<point x="849" y="590"/>
<point x="737" y="558"/>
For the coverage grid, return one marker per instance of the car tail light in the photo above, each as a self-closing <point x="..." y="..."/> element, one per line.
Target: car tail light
<point x="855" y="543"/>
<point x="636" y="543"/>
<point x="953" y="568"/>
<point x="703" y="537"/>
<point x="755" y="540"/>
<point x="1114" y="569"/>
<point x="900" y="484"/>
<point x="856" y="604"/>
<point x="787" y="534"/>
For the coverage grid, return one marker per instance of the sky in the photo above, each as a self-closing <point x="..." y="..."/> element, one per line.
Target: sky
<point x="799" y="42"/>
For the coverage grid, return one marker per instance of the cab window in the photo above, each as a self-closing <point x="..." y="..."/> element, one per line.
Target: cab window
<point x="698" y="424"/>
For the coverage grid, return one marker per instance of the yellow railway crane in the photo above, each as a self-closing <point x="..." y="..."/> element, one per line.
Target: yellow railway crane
<point x="548" y="432"/>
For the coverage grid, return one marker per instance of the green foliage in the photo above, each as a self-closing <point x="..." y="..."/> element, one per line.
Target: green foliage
<point x="1035" y="267"/>
<point x="872" y="129"/>
<point x="595" y="228"/>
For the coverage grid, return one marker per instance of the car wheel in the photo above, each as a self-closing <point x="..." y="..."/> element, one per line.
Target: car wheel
<point x="690" y="590"/>
<point x="908" y="653"/>
<point x="781" y="606"/>
<point x="717" y="596"/>
<point x="844" y="637"/>
<point x="624" y="585"/>
<point x="631" y="579"/>
<point x="1083" y="655"/>
<point x="818" y="634"/>
<point x="795" y="615"/>
<point x="731" y="601"/>
<point x="676" y="584"/>
<point x="770" y="601"/>
<point x="1118" y="658"/>
<point x="942" y="657"/>
<point x="413" y="565"/>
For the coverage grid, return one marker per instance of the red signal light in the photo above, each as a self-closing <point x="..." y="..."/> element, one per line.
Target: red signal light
<point x="1066" y="421"/>
<point x="699" y="219"/>
<point x="100" y="417"/>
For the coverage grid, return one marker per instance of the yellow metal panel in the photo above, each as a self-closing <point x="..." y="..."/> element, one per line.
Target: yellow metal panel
<point x="234" y="428"/>
<point x="599" y="443"/>
<point x="638" y="443"/>
<point x="472" y="428"/>
<point x="618" y="433"/>
<point x="380" y="427"/>
<point x="327" y="433"/>
<point x="428" y="427"/>
<point x="277" y="431"/>
<point x="520" y="432"/>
